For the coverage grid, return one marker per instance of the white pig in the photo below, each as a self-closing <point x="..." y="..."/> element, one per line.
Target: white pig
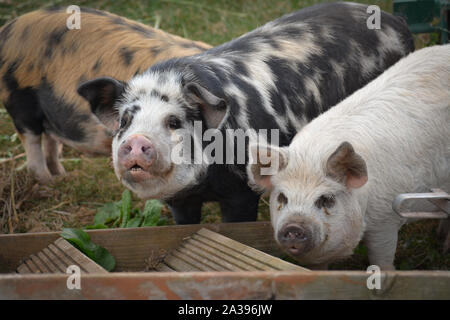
<point x="335" y="183"/>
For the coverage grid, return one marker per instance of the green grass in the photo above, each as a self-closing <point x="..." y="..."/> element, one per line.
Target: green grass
<point x="73" y="200"/>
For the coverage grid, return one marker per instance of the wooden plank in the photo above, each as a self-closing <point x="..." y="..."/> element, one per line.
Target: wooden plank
<point x="32" y="266"/>
<point x="23" y="269"/>
<point x="130" y="247"/>
<point x="199" y="257"/>
<point x="222" y="258"/>
<point x="57" y="257"/>
<point x="61" y="267"/>
<point x="255" y="255"/>
<point x="78" y="257"/>
<point x="230" y="285"/>
<point x="196" y="263"/>
<point x="176" y="263"/>
<point x="219" y="264"/>
<point x="209" y="251"/>
<point x="164" y="268"/>
<point x="66" y="260"/>
<point x="40" y="264"/>
<point x="48" y="263"/>
<point x="241" y="259"/>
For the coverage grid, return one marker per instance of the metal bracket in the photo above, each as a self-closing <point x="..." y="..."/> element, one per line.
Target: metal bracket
<point x="438" y="197"/>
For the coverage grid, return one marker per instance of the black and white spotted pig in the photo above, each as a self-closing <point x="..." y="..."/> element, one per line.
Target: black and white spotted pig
<point x="279" y="76"/>
<point x="42" y="62"/>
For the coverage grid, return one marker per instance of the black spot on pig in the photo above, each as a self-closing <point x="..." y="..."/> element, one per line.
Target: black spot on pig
<point x="8" y="77"/>
<point x="155" y="50"/>
<point x="240" y="68"/>
<point x="155" y="93"/>
<point x="135" y="27"/>
<point x="23" y="106"/>
<point x="126" y="55"/>
<point x="54" y="39"/>
<point x="189" y="45"/>
<point x="190" y="114"/>
<point x="142" y="30"/>
<point x="25" y="33"/>
<point x="97" y="65"/>
<point x="22" y="103"/>
<point x="63" y="118"/>
<point x="134" y="109"/>
<point x="5" y="33"/>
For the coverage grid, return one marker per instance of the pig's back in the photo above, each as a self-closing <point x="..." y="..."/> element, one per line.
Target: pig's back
<point x="399" y="123"/>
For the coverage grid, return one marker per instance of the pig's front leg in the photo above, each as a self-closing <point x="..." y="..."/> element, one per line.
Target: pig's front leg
<point x="382" y="244"/>
<point x="241" y="207"/>
<point x="52" y="151"/>
<point x="35" y="157"/>
<point x="186" y="211"/>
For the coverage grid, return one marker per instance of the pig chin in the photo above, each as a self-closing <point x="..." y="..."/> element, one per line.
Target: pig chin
<point x="332" y="249"/>
<point x="145" y="181"/>
<point x="157" y="185"/>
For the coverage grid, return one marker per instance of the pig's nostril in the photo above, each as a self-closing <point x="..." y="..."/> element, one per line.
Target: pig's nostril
<point x="293" y="234"/>
<point x="125" y="149"/>
<point x="146" y="148"/>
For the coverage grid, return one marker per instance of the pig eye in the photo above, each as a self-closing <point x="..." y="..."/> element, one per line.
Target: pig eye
<point x="325" y="201"/>
<point x="282" y="199"/>
<point x="124" y="120"/>
<point x="173" y="122"/>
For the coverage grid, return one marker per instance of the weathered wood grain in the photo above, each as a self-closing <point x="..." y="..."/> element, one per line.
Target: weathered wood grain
<point x="206" y="250"/>
<point x="56" y="258"/>
<point x="230" y="285"/>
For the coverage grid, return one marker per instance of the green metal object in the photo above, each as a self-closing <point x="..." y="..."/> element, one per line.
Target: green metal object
<point x="425" y="16"/>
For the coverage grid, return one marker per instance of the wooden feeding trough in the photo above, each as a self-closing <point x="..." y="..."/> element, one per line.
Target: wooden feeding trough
<point x="133" y="247"/>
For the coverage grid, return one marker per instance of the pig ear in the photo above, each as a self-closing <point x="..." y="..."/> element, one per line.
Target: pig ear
<point x="102" y="93"/>
<point x="212" y="107"/>
<point x="264" y="162"/>
<point x="347" y="167"/>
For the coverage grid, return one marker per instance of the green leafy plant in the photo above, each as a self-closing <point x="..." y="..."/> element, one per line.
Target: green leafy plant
<point x="82" y="242"/>
<point x="120" y="214"/>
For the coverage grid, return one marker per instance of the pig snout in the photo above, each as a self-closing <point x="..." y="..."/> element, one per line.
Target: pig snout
<point x="136" y="153"/>
<point x="295" y="239"/>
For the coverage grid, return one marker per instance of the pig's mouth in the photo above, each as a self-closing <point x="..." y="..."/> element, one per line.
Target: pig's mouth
<point x="136" y="172"/>
<point x="136" y="168"/>
<point x="294" y="250"/>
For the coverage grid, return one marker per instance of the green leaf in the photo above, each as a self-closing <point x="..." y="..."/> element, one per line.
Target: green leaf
<point x="135" y="222"/>
<point x="162" y="221"/>
<point x="108" y="213"/>
<point x="125" y="208"/>
<point x="82" y="241"/>
<point x="152" y="213"/>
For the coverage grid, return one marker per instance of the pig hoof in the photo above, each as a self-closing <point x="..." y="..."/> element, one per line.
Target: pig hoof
<point x="57" y="169"/>
<point x="386" y="284"/>
<point x="42" y="176"/>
